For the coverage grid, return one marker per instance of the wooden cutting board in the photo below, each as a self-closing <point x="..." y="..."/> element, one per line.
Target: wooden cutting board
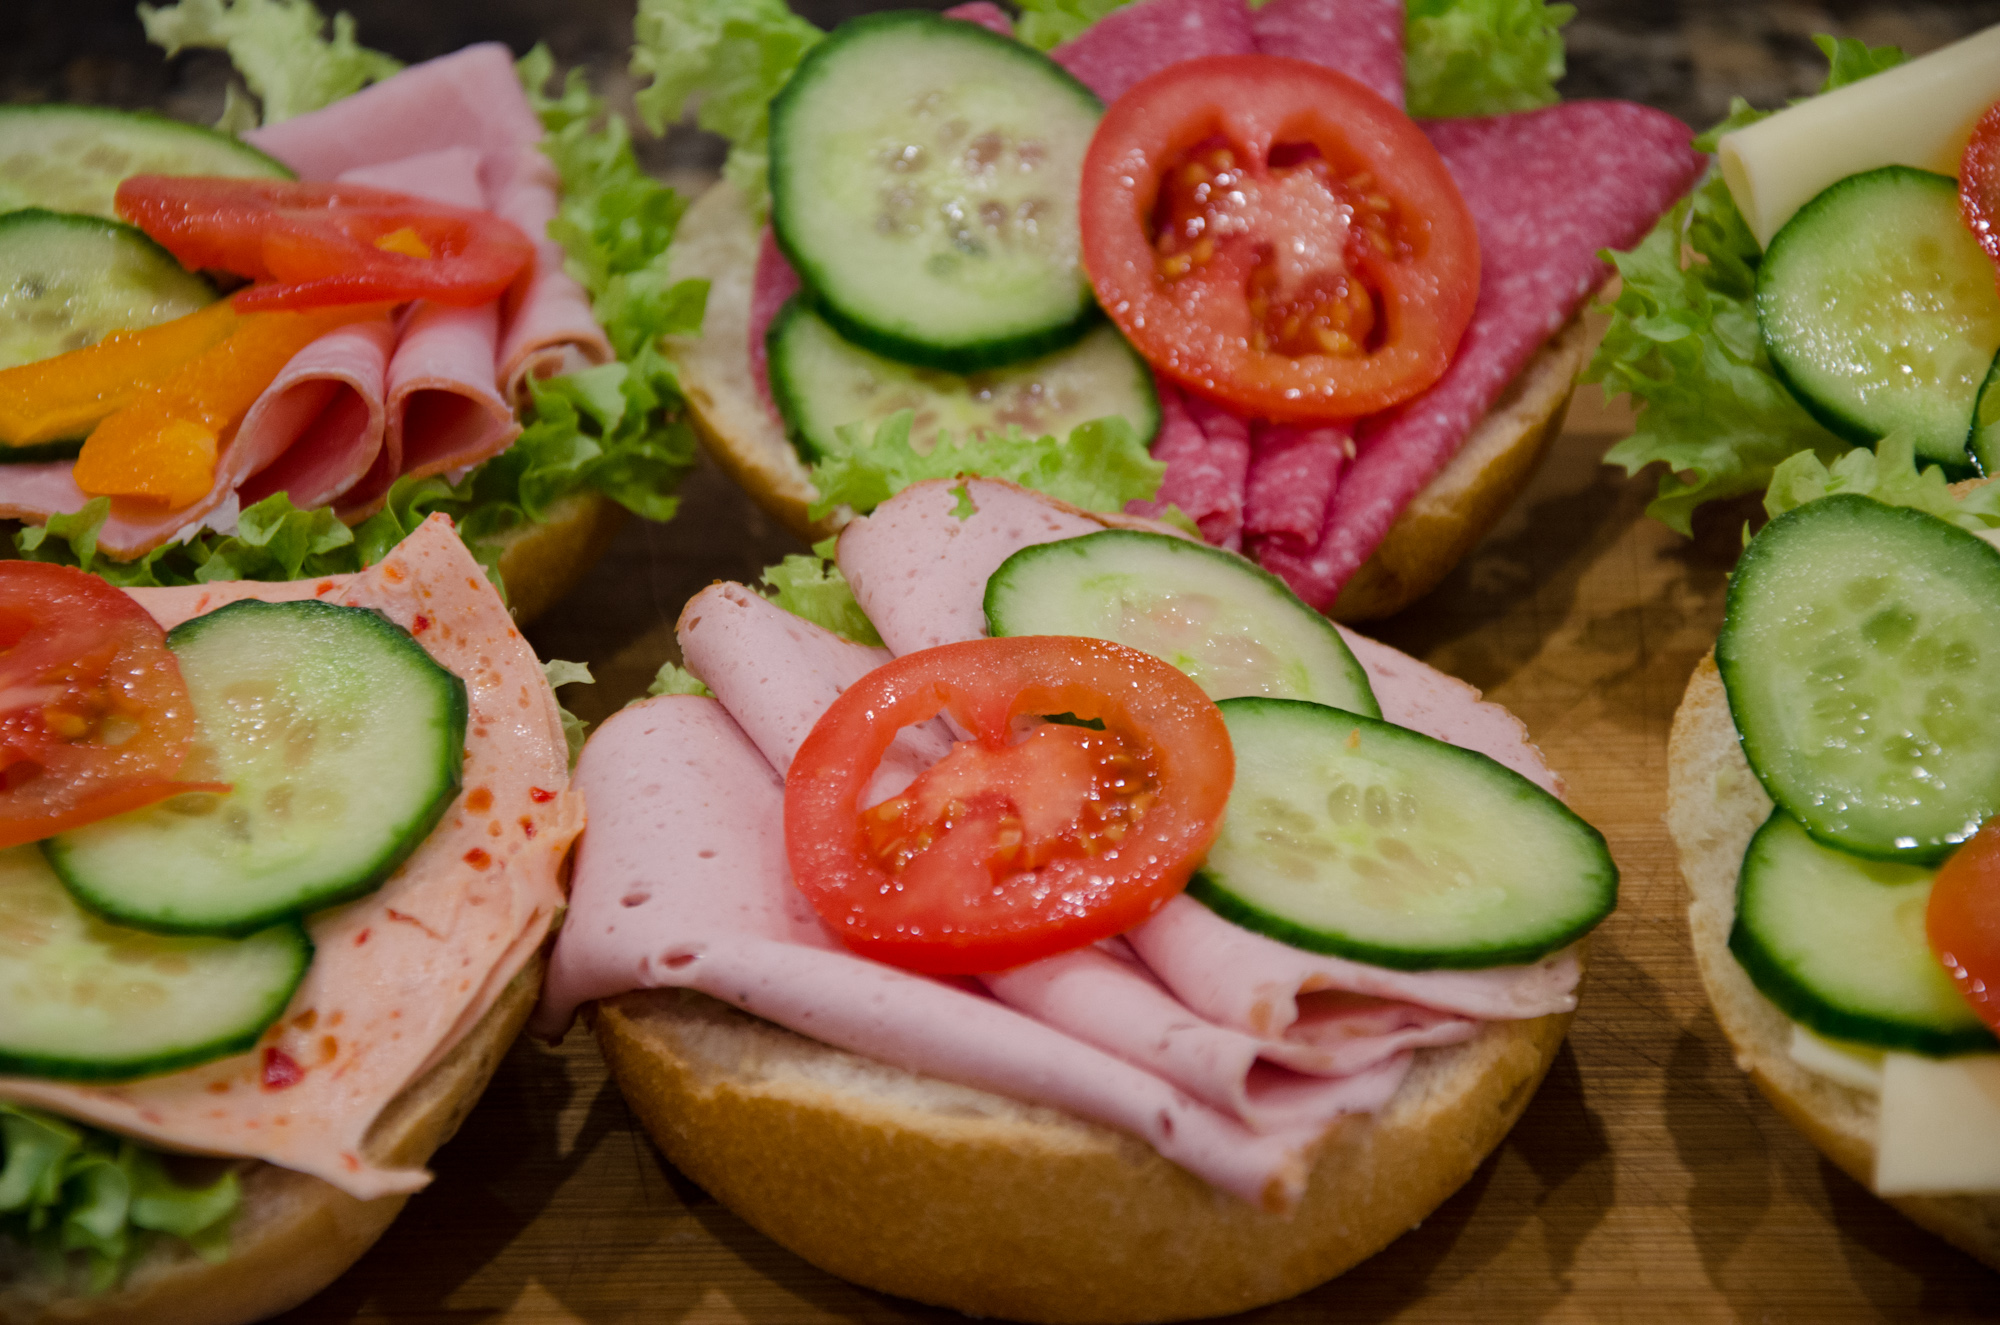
<point x="1647" y="1181"/>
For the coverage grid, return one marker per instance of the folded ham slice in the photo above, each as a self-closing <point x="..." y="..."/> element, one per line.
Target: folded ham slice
<point x="321" y="423"/>
<point x="546" y="323"/>
<point x="397" y="977"/>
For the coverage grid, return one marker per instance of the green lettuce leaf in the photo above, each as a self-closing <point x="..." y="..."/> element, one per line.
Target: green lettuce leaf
<point x="1047" y="24"/>
<point x="813" y="587"/>
<point x="558" y="674"/>
<point x="731" y="57"/>
<point x="1890" y="474"/>
<point x="1102" y="466"/>
<point x="673" y="679"/>
<point x="277" y="45"/>
<point x="67" y="1188"/>
<point x="1683" y="341"/>
<point x="1482" y="57"/>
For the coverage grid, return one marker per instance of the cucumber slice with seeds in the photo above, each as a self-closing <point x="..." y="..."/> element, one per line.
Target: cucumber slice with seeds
<point x="89" y="1001"/>
<point x="343" y="742"/>
<point x="71" y="158"/>
<point x="1356" y="837"/>
<point x="821" y="381"/>
<point x="68" y="281"/>
<point x="1838" y="943"/>
<point x="1232" y="626"/>
<point x="924" y="177"/>
<point x="1879" y="310"/>
<point x="1861" y="655"/>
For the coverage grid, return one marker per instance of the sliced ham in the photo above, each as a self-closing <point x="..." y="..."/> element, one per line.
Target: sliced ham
<point x="1361" y="38"/>
<point x="1129" y="44"/>
<point x="1549" y="189"/>
<point x="1293" y="473"/>
<point x="919" y="571"/>
<point x="450" y="175"/>
<point x="397" y="977"/>
<point x="546" y="324"/>
<point x="321" y="422"/>
<point x="470" y="98"/>
<point x="674" y="773"/>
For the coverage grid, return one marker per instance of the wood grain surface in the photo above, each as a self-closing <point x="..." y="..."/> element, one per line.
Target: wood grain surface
<point x="1646" y="1182"/>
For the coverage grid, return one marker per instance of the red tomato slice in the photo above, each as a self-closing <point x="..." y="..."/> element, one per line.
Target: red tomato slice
<point x="1963" y="921"/>
<point x="1271" y="233"/>
<point x="311" y="245"/>
<point x="1979" y="182"/>
<point x="1013" y="847"/>
<point x="94" y="716"/>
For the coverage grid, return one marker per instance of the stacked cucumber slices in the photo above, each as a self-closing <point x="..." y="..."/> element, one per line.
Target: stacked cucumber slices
<point x="1344" y="834"/>
<point x="1859" y="655"/>
<point x="924" y="176"/>
<point x="174" y="934"/>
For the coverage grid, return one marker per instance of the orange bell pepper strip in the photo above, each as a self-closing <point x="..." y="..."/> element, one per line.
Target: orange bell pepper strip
<point x="54" y="399"/>
<point x="163" y="446"/>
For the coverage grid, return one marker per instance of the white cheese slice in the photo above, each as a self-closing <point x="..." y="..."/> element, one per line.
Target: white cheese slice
<point x="1850" y="1065"/>
<point x="1917" y="114"/>
<point x="1940" y="1125"/>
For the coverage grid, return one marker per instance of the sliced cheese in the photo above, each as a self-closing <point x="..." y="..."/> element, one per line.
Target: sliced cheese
<point x="1851" y="1065"/>
<point x="1940" y="1125"/>
<point x="1917" y="114"/>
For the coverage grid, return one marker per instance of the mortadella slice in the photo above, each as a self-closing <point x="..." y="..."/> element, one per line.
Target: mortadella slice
<point x="781" y="671"/>
<point x="674" y="772"/>
<point x="400" y="975"/>
<point x="1548" y="189"/>
<point x="321" y="422"/>
<point x="1129" y="44"/>
<point x="546" y="322"/>
<point x="1360" y="38"/>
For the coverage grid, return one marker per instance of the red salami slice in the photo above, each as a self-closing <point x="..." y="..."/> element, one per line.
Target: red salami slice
<point x="1361" y="38"/>
<point x="774" y="283"/>
<point x="1293" y="474"/>
<point x="1128" y="44"/>
<point x="987" y="15"/>
<point x="1548" y="189"/>
<point x="1207" y="453"/>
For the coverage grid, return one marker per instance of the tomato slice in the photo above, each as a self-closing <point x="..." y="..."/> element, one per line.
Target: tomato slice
<point x="1979" y="182"/>
<point x="1014" y="846"/>
<point x="1274" y="235"/>
<point x="311" y="245"/>
<point x="1963" y="921"/>
<point x="94" y="716"/>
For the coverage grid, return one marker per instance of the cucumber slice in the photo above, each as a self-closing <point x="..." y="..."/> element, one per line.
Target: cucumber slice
<point x="924" y="183"/>
<point x="821" y="382"/>
<point x="1879" y="310"/>
<point x="1838" y="943"/>
<point x="1232" y="626"/>
<point x="1861" y="653"/>
<point x="1984" y="444"/>
<point x="88" y="1001"/>
<point x="1360" y="838"/>
<point x="70" y="158"/>
<point x="343" y="742"/>
<point x="67" y="281"/>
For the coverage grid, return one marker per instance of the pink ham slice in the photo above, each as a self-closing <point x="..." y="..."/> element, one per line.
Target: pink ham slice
<point x="546" y="323"/>
<point x="470" y="98"/>
<point x="1548" y="189"/>
<point x="674" y="778"/>
<point x="448" y="175"/>
<point x="397" y="977"/>
<point x="321" y="422"/>
<point x="1361" y="38"/>
<point x="1129" y="44"/>
<point x="1293" y="474"/>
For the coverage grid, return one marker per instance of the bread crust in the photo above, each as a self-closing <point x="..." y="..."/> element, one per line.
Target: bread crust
<point x="961" y="1198"/>
<point x="294" y="1234"/>
<point x="717" y="242"/>
<point x="1714" y="804"/>
<point x="540" y="563"/>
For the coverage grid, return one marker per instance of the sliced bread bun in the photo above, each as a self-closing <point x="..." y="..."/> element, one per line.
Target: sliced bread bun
<point x="1714" y="804"/>
<point x="293" y="1234"/>
<point x="966" y="1199"/>
<point x="541" y="563"/>
<point x="717" y="242"/>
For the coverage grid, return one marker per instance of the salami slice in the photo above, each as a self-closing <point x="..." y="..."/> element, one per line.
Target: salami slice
<point x="1207" y="454"/>
<point x="986" y="14"/>
<point x="1293" y="473"/>
<point x="1361" y="38"/>
<point x="1128" y="44"/>
<point x="773" y="284"/>
<point x="1548" y="189"/>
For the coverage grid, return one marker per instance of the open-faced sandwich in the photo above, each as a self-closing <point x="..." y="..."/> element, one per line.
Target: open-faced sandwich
<point x="460" y="287"/>
<point x="925" y="943"/>
<point x="1830" y="337"/>
<point x="277" y="862"/>
<point x="1196" y="261"/>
